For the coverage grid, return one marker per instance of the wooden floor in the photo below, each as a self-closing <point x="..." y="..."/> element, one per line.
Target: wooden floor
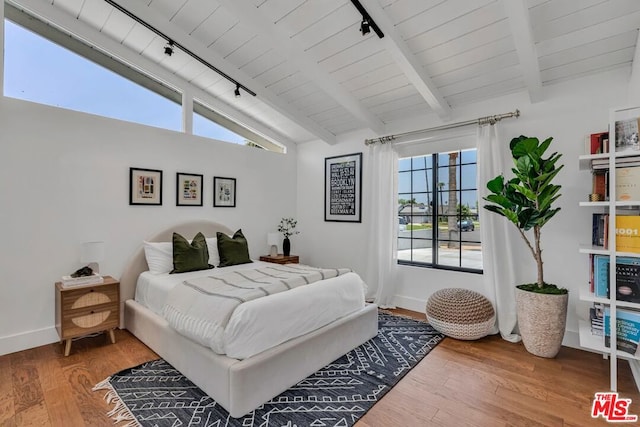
<point x="488" y="382"/>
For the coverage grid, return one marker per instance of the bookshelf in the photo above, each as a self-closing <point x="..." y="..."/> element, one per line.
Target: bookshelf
<point x="624" y="152"/>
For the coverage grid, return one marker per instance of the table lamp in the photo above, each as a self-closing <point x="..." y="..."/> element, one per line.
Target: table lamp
<point x="92" y="253"/>
<point x="273" y="240"/>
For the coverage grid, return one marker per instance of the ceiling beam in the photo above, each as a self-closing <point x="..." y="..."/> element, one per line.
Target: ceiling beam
<point x="68" y="24"/>
<point x="634" y="80"/>
<point x="522" y="33"/>
<point x="406" y="60"/>
<point x="250" y="15"/>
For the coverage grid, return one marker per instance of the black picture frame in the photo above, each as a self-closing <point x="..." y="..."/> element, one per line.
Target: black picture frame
<point x="343" y="188"/>
<point x="189" y="189"/>
<point x="224" y="192"/>
<point x="145" y="187"/>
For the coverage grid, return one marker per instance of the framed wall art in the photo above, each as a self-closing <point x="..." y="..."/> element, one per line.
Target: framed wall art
<point x="343" y="188"/>
<point x="188" y="189"/>
<point x="145" y="186"/>
<point x="224" y="192"/>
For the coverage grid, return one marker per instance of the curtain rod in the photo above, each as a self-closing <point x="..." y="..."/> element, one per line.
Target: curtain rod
<point x="491" y="120"/>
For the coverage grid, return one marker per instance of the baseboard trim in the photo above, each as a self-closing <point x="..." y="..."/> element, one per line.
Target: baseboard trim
<point x="410" y="303"/>
<point x="27" y="340"/>
<point x="571" y="338"/>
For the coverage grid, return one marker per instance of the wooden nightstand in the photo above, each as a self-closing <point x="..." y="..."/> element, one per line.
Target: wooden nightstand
<point x="281" y="259"/>
<point x="83" y="310"/>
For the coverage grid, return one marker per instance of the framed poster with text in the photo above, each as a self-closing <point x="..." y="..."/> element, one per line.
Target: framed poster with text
<point x="343" y="188"/>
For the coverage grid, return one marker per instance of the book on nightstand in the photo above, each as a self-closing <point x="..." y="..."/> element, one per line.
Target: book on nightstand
<point x="70" y="282"/>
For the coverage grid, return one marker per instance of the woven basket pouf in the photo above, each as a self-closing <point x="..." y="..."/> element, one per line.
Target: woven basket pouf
<point x="460" y="313"/>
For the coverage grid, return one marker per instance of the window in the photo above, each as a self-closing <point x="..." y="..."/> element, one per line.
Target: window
<point x="41" y="71"/>
<point x="438" y="211"/>
<point x="45" y="65"/>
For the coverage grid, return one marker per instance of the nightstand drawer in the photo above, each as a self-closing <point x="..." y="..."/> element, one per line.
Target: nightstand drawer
<point x="89" y="319"/>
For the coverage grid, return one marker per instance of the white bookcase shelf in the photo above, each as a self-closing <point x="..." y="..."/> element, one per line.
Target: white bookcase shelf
<point x="588" y="340"/>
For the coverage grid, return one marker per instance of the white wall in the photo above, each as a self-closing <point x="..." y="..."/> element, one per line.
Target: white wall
<point x="570" y="112"/>
<point x="64" y="179"/>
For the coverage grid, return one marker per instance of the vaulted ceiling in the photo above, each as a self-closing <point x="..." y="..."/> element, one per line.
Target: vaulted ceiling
<point x="317" y="76"/>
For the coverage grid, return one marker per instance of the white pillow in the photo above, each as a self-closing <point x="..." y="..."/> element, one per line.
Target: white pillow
<point x="159" y="255"/>
<point x="212" y="247"/>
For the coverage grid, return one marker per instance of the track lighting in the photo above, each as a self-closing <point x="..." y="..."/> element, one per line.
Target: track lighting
<point x="168" y="49"/>
<point x="171" y="45"/>
<point x="237" y="91"/>
<point x="365" y="27"/>
<point x="367" y="23"/>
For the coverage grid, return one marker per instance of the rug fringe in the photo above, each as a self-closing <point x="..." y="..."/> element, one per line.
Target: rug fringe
<point x="120" y="411"/>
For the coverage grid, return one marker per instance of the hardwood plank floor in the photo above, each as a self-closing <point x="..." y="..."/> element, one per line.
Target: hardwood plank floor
<point x="488" y="382"/>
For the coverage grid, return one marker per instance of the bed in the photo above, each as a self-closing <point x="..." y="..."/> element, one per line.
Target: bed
<point x="238" y="385"/>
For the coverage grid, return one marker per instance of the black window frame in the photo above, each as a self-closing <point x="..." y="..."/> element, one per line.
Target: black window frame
<point x="435" y="207"/>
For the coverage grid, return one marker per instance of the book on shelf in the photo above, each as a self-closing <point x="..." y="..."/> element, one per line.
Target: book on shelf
<point x="627" y="330"/>
<point x="628" y="183"/>
<point x="627" y="278"/>
<point x="626" y="161"/>
<point x="628" y="233"/>
<point x="70" y="282"/>
<point x="600" y="183"/>
<point x="599" y="227"/>
<point x="599" y="143"/>
<point x="627" y="135"/>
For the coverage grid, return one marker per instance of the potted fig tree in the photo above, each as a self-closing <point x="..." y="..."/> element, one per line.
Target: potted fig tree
<point x="526" y="201"/>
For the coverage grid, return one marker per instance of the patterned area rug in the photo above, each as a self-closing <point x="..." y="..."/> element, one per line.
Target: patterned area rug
<point x="155" y="394"/>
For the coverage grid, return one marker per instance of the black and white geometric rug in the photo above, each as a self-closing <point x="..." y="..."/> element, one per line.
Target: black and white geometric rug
<point x="155" y="394"/>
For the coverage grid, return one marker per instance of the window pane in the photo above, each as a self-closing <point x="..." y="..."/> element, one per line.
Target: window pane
<point x="468" y="156"/>
<point x="202" y="126"/>
<point x="41" y="71"/>
<point x="421" y="180"/>
<point x="404" y="164"/>
<point x="404" y="182"/>
<point x="468" y="177"/>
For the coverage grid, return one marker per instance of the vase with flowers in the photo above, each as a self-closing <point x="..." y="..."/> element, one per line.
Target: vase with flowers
<point x="287" y="228"/>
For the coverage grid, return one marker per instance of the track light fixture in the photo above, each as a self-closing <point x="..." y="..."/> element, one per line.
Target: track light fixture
<point x="171" y="45"/>
<point x="367" y="23"/>
<point x="168" y="49"/>
<point x="237" y="91"/>
<point x="365" y="28"/>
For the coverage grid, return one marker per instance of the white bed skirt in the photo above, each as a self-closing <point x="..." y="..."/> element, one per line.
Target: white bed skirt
<point x="241" y="386"/>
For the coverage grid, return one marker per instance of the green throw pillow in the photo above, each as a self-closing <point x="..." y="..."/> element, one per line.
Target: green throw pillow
<point x="233" y="250"/>
<point x="190" y="256"/>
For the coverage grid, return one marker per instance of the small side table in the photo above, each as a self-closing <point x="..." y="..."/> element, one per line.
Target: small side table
<point x="82" y="310"/>
<point x="281" y="259"/>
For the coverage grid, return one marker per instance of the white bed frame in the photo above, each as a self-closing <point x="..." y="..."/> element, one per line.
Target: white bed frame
<point x="239" y="386"/>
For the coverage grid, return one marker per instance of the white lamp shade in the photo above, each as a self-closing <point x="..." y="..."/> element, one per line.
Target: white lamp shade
<point x="273" y="238"/>
<point x="92" y="252"/>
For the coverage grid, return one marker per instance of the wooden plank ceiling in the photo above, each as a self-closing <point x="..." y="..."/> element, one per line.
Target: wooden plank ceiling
<point x="317" y="76"/>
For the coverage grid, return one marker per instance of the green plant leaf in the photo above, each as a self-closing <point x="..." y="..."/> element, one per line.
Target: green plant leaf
<point x="524" y="147"/>
<point x="496" y="185"/>
<point x="499" y="199"/>
<point x="524" y="191"/>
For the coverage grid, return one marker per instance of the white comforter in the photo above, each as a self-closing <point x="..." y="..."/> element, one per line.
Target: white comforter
<point x="260" y="324"/>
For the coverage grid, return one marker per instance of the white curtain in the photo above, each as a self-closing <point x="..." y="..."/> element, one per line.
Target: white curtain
<point x="498" y="261"/>
<point x="382" y="256"/>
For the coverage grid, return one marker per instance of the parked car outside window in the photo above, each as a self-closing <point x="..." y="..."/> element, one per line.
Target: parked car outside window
<point x="402" y="224"/>
<point x="466" y="225"/>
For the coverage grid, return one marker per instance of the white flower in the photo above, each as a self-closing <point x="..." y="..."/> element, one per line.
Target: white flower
<point x="287" y="226"/>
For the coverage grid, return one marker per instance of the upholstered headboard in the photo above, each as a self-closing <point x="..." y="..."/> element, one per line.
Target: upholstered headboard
<point x="138" y="263"/>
